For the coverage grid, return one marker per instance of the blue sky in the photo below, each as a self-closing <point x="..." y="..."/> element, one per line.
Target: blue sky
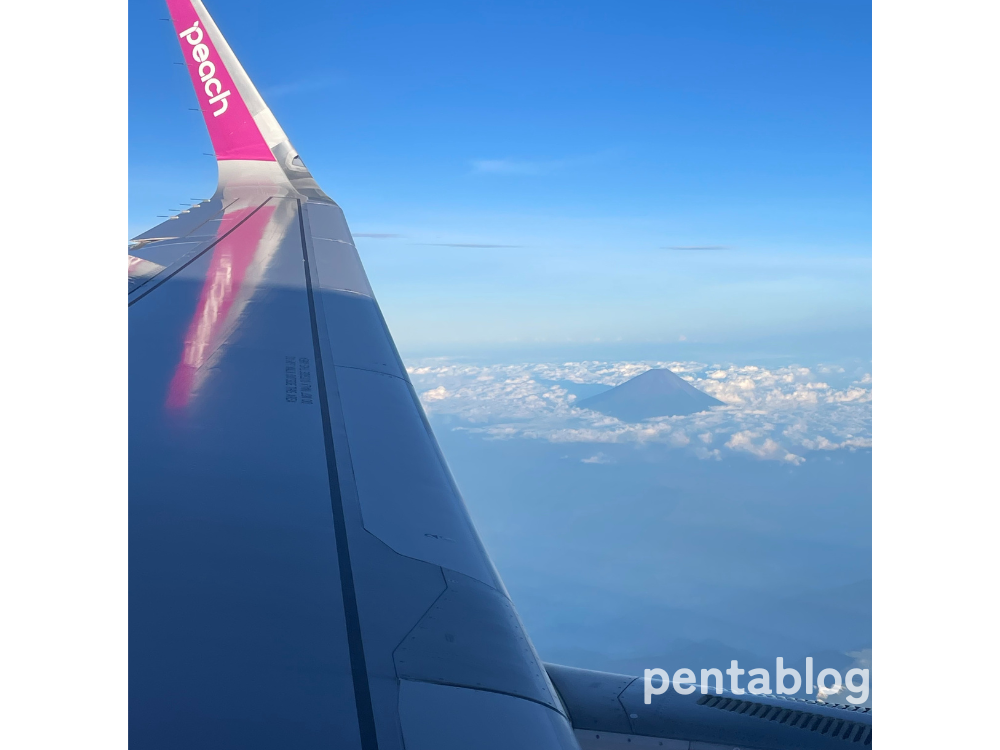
<point x="631" y="174"/>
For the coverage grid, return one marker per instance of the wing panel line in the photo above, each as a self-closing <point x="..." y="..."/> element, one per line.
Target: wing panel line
<point x="359" y="670"/>
<point x="192" y="259"/>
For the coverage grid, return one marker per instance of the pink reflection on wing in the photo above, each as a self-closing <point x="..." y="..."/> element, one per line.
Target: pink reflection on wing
<point x="226" y="272"/>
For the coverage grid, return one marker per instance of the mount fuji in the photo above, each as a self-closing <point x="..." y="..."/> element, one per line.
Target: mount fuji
<point x="654" y="393"/>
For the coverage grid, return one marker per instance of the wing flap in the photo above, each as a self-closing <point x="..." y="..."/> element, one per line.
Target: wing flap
<point x="408" y="499"/>
<point x="472" y="637"/>
<point x="358" y="338"/>
<point x="443" y="716"/>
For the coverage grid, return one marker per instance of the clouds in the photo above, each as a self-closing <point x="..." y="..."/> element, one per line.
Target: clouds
<point x="750" y="441"/>
<point x="774" y="414"/>
<point x="540" y="166"/>
<point x="436" y="394"/>
<point x="509" y="166"/>
<point x="390" y="236"/>
<point x="695" y="247"/>
<point x="464" y="244"/>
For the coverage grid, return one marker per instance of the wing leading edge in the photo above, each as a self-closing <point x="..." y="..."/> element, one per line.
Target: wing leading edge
<point x="303" y="569"/>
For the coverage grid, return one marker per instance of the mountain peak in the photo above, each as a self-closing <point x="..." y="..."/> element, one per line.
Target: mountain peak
<point x="654" y="393"/>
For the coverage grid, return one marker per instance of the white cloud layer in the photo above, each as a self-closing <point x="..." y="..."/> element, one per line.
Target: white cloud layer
<point x="777" y="414"/>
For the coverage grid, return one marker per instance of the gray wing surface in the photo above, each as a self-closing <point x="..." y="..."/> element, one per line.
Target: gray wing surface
<point x="303" y="568"/>
<point x="303" y="571"/>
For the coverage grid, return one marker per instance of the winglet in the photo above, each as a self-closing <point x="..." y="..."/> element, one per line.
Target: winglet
<point x="234" y="131"/>
<point x="242" y="128"/>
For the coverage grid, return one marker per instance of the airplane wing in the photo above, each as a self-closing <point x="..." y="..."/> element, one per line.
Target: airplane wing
<point x="303" y="570"/>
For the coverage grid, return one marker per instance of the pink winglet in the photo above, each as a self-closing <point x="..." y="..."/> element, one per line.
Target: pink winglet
<point x="234" y="133"/>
